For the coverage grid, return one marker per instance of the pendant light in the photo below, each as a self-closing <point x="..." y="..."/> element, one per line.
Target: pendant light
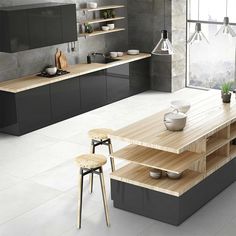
<point x="226" y="28"/>
<point x="198" y="36"/>
<point x="164" y="46"/>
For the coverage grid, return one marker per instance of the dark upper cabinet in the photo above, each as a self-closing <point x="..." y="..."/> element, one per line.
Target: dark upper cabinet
<point x="93" y="90"/>
<point x="118" y="82"/>
<point x="38" y="25"/>
<point x="65" y="99"/>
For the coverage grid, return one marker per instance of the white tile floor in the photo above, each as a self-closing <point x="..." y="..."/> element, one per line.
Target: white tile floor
<point x="38" y="178"/>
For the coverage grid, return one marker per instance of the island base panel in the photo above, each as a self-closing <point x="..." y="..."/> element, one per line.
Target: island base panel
<point x="167" y="208"/>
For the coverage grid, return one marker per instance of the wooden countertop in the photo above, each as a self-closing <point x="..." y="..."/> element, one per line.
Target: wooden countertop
<point x="29" y="82"/>
<point x="205" y="117"/>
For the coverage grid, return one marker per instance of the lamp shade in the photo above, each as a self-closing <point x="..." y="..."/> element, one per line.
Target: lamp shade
<point x="198" y="36"/>
<point x="226" y="28"/>
<point x="164" y="46"/>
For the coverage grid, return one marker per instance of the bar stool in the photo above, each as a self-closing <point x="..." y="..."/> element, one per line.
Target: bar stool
<point x="100" y="137"/>
<point x="91" y="163"/>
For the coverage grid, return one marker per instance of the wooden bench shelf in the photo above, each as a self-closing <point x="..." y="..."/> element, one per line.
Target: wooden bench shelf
<point x="232" y="153"/>
<point x="139" y="175"/>
<point x="157" y="159"/>
<point x="233" y="131"/>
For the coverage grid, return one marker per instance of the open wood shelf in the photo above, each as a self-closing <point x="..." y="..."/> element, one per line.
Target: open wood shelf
<point x="233" y="131"/>
<point x="215" y="161"/>
<point x="139" y="175"/>
<point x="232" y="153"/>
<point x="95" y="21"/>
<point x="157" y="159"/>
<point x="102" y="8"/>
<point x="215" y="143"/>
<point x="100" y="32"/>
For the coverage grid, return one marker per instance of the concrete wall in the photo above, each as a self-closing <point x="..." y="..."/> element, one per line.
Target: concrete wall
<point x="146" y="20"/>
<point x="32" y="61"/>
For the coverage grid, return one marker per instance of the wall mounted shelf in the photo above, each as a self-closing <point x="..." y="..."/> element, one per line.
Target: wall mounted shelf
<point x="95" y="21"/>
<point x="100" y="32"/>
<point x="108" y="7"/>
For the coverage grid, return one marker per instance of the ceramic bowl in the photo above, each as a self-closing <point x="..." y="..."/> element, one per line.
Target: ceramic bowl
<point x="120" y="54"/>
<point x="113" y="54"/>
<point x="92" y="5"/>
<point x="172" y="175"/>
<point x="51" y="70"/>
<point x="133" y="52"/>
<point x="105" y="28"/>
<point x="181" y="105"/>
<point x="175" y="121"/>
<point x="111" y="26"/>
<point x="155" y="173"/>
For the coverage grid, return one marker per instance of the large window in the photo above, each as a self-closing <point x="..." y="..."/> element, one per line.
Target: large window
<point x="211" y="64"/>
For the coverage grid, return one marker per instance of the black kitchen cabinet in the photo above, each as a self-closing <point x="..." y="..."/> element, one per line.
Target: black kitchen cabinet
<point x="37" y="25"/>
<point x="139" y="76"/>
<point x="48" y="30"/>
<point x="33" y="109"/>
<point x="65" y="99"/>
<point x="118" y="83"/>
<point x="93" y="90"/>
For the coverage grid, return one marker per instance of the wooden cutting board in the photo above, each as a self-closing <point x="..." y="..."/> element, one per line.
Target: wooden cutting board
<point x="57" y="55"/>
<point x="63" y="61"/>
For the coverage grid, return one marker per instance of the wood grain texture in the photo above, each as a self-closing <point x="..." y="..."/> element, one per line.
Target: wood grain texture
<point x="139" y="175"/>
<point x="100" y="32"/>
<point x="157" y="159"/>
<point x="204" y="117"/>
<point x="33" y="81"/>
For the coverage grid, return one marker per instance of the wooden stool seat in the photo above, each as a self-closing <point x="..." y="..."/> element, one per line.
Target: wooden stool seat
<point x="90" y="161"/>
<point x="99" y="134"/>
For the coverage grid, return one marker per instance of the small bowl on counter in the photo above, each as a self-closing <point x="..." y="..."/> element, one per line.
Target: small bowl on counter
<point x="181" y="105"/>
<point x="51" y="70"/>
<point x="92" y="5"/>
<point x="113" y="54"/>
<point x="173" y="175"/>
<point x="155" y="173"/>
<point x="133" y="52"/>
<point x="120" y="54"/>
<point x="105" y="28"/>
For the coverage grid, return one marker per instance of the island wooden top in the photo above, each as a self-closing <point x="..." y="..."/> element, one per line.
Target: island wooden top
<point x="205" y="117"/>
<point x="34" y="81"/>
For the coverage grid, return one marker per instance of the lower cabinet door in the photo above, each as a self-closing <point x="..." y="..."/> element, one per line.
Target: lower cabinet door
<point x="93" y="91"/>
<point x="65" y="99"/>
<point x="118" y="83"/>
<point x="33" y="109"/>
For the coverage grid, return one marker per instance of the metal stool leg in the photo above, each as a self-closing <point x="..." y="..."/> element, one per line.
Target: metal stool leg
<point x="104" y="196"/>
<point x="110" y="152"/>
<point x="80" y="198"/>
<point x="91" y="175"/>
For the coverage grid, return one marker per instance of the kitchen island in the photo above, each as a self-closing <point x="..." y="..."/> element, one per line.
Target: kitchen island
<point x="204" y="152"/>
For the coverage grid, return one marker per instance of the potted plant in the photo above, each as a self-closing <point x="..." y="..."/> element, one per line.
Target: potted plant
<point x="225" y="92"/>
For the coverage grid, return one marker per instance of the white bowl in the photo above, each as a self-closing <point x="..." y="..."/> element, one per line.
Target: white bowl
<point x="105" y="28"/>
<point x="120" y="54"/>
<point x="181" y="105"/>
<point x="133" y="52"/>
<point x="92" y="5"/>
<point x="111" y="26"/>
<point x="172" y="175"/>
<point x="113" y="54"/>
<point x="51" y="70"/>
<point x="155" y="173"/>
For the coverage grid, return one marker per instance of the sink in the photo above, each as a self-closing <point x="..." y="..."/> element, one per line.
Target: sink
<point x="105" y="60"/>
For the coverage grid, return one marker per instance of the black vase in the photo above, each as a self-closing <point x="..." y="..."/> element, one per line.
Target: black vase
<point x="226" y="97"/>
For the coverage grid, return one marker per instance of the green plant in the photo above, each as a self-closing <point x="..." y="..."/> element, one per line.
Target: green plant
<point x="226" y="87"/>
